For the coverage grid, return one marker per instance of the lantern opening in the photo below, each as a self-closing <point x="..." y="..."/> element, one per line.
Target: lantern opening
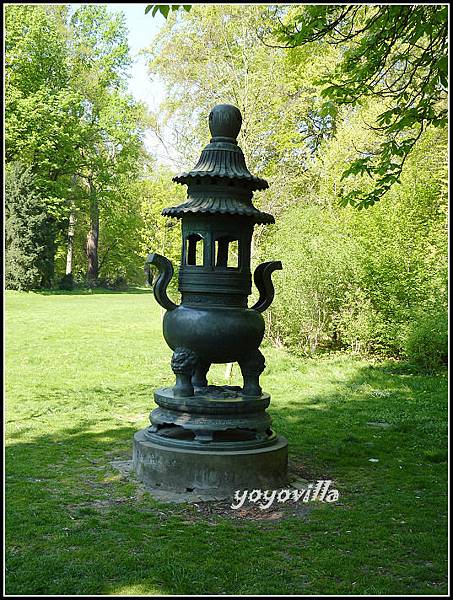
<point x="195" y="250"/>
<point x="227" y="252"/>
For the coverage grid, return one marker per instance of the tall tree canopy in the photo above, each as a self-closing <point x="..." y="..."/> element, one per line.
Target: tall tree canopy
<point x="70" y="119"/>
<point x="115" y="122"/>
<point x="396" y="53"/>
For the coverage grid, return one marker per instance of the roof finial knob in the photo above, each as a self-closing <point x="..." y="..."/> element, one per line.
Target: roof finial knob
<point x="225" y="122"/>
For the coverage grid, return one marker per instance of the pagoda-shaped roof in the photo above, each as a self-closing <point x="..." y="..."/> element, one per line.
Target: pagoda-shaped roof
<point x="220" y="182"/>
<point x="225" y="160"/>
<point x="223" y="206"/>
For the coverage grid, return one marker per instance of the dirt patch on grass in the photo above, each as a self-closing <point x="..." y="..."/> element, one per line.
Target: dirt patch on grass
<point x="250" y="512"/>
<point x="196" y="506"/>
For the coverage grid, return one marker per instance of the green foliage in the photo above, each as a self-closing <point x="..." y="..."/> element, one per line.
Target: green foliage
<point x="426" y="343"/>
<point x="355" y="279"/>
<point x="68" y="115"/>
<point x="164" y="9"/>
<point x="158" y="233"/>
<point x="319" y="272"/>
<point x="66" y="282"/>
<point x="397" y="53"/>
<point x="29" y="240"/>
<point x="99" y="50"/>
<point x="42" y="113"/>
<point x="118" y="283"/>
<point x="121" y="253"/>
<point x="35" y="57"/>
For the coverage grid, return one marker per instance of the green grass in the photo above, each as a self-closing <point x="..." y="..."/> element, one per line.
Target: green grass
<point x="81" y="369"/>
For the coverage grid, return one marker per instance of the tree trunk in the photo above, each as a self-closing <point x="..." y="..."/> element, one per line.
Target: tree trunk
<point x="70" y="250"/>
<point x="93" y="238"/>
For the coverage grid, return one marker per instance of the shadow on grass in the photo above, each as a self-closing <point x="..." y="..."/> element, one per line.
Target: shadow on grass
<point x="76" y="527"/>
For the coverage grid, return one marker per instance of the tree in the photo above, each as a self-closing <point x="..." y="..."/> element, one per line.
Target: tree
<point x="29" y="239"/>
<point x="159" y="233"/>
<point x="397" y="53"/>
<point x="363" y="280"/>
<point x="114" y="122"/>
<point x="213" y="55"/>
<point x="69" y="117"/>
<point x="42" y="114"/>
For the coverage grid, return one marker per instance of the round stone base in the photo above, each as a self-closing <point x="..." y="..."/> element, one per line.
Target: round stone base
<point x="219" y="473"/>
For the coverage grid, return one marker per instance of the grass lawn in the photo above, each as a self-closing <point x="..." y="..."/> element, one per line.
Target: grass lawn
<point x="81" y="369"/>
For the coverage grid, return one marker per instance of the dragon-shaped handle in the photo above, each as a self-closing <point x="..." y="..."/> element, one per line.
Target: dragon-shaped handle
<point x="165" y="274"/>
<point x="263" y="281"/>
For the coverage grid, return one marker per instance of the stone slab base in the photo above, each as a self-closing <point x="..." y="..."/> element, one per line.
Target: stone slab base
<point x="217" y="473"/>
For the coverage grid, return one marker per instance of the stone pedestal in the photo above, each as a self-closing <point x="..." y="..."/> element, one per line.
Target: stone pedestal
<point x="215" y="472"/>
<point x="212" y="443"/>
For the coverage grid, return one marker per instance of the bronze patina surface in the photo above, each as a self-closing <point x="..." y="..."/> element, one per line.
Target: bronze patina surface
<point x="213" y="323"/>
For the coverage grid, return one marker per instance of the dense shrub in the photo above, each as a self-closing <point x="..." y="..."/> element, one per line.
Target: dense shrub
<point x="319" y="273"/>
<point x="355" y="279"/>
<point x="66" y="282"/>
<point x="426" y="343"/>
<point x="118" y="283"/>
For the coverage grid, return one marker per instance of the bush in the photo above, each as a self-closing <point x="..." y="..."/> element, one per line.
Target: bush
<point x="427" y="339"/>
<point x="119" y="283"/>
<point x="365" y="330"/>
<point x="319" y="269"/>
<point x="66" y="282"/>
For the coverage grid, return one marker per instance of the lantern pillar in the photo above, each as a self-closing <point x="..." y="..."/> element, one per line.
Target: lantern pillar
<point x="204" y="438"/>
